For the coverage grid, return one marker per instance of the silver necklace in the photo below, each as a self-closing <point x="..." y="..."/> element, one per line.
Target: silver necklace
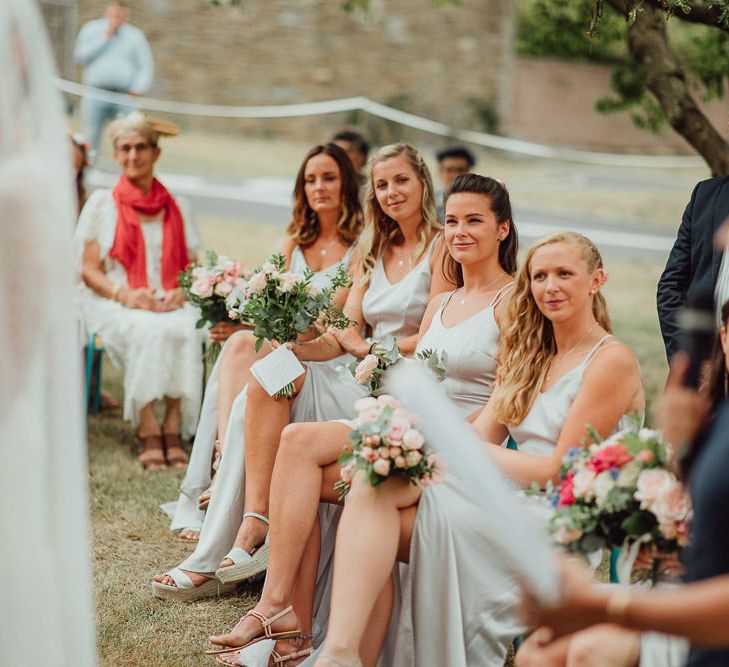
<point x="482" y="289"/>
<point x="574" y="347"/>
<point x="323" y="251"/>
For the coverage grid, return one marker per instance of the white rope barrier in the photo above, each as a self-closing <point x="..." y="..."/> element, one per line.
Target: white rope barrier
<point x="387" y="113"/>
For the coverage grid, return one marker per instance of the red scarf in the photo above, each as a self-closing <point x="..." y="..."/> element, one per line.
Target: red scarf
<point x="128" y="247"/>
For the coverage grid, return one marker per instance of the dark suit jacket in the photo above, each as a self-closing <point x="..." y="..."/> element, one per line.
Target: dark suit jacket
<point x="694" y="261"/>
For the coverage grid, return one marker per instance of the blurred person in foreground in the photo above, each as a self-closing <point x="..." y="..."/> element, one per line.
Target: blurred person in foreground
<point x="453" y="162"/>
<point x="355" y="146"/>
<point x="697" y="424"/>
<point x="131" y="243"/>
<point x="116" y="57"/>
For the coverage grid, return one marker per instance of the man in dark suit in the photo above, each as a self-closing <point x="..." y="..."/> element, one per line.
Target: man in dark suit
<point x="694" y="261"/>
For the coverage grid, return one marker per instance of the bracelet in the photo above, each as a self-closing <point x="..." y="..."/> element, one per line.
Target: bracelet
<point x="115" y="292"/>
<point x="617" y="606"/>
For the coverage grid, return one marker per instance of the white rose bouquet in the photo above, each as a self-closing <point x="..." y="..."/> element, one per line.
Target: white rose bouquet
<point x="281" y="305"/>
<point x="208" y="286"/>
<point x="618" y="493"/>
<point x="371" y="370"/>
<point x="385" y="442"/>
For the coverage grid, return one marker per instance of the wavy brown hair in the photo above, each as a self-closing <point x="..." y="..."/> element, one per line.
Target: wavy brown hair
<point x="500" y="206"/>
<point x="304" y="226"/>
<point x="526" y="343"/>
<point x="380" y="230"/>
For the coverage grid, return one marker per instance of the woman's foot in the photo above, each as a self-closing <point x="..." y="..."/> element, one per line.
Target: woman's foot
<point x="108" y="402"/>
<point x="189" y="535"/>
<point x="251" y="535"/>
<point x="250" y="627"/>
<point x="151" y="451"/>
<point x="176" y="456"/>
<point x="204" y="498"/>
<point x="196" y="578"/>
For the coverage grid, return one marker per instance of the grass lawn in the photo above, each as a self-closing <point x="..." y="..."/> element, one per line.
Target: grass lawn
<point x="131" y="540"/>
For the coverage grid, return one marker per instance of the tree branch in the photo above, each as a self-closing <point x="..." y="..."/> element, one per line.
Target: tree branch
<point x="710" y="15"/>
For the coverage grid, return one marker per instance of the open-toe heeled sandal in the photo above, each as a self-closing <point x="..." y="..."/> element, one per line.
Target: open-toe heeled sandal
<point x="266" y="634"/>
<point x="176" y="456"/>
<point x="151" y="452"/>
<point x="245" y="565"/>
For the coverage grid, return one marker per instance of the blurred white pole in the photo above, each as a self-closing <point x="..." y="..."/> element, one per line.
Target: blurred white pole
<point x="46" y="604"/>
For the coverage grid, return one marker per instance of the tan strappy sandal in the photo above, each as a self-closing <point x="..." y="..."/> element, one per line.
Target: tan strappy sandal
<point x="267" y="634"/>
<point x="151" y="452"/>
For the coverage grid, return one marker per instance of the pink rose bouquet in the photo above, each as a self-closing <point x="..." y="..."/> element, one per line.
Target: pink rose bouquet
<point x="385" y="442"/>
<point x="208" y="286"/>
<point x="620" y="491"/>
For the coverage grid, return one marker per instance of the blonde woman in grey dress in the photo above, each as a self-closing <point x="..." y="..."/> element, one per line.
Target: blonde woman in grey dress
<point x="399" y="271"/>
<point x="464" y="323"/>
<point x="326" y="219"/>
<point x="556" y="374"/>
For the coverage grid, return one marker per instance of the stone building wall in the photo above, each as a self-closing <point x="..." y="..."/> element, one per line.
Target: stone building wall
<point x="453" y="64"/>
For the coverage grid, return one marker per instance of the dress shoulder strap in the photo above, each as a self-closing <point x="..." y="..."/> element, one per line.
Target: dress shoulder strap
<point x="595" y="348"/>
<point x="501" y="294"/>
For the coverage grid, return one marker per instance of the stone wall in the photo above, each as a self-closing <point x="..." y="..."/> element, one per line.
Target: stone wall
<point x="453" y="64"/>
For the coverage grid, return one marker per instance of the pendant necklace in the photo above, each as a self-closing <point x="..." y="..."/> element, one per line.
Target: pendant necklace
<point x="574" y="347"/>
<point x="482" y="289"/>
<point x="324" y="252"/>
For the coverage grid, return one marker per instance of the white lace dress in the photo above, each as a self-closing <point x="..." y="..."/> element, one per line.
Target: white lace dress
<point x="161" y="353"/>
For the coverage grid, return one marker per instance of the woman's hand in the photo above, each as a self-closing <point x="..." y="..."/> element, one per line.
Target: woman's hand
<point x="350" y="341"/>
<point x="221" y="331"/>
<point x="668" y="564"/>
<point x="172" y="300"/>
<point x="142" y="298"/>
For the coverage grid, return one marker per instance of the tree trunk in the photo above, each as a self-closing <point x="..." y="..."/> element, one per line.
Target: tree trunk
<point x="648" y="42"/>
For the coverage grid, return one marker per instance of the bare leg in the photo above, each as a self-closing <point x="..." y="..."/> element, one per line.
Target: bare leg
<point x="265" y="420"/>
<point x="171" y="423"/>
<point x="367" y="541"/>
<point x="239" y="354"/>
<point x="376" y="630"/>
<point x="148" y="422"/>
<point x="307" y="455"/>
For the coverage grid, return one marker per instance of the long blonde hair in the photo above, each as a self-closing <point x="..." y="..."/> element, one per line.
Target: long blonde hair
<point x="380" y="230"/>
<point x="526" y="343"/>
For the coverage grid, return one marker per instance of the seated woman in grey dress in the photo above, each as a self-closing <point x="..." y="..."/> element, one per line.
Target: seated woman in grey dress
<point x="482" y="246"/>
<point x="325" y="222"/>
<point x="326" y="219"/>
<point x="556" y="374"/>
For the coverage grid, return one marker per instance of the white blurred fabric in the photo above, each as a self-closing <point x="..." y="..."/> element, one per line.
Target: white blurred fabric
<point x="45" y="573"/>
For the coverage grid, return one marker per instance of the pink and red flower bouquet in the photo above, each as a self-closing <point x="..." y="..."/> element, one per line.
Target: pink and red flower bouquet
<point x="384" y="443"/>
<point x="620" y="491"/>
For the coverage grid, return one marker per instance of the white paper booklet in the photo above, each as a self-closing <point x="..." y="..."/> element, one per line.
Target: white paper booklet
<point x="277" y="369"/>
<point x="464" y="454"/>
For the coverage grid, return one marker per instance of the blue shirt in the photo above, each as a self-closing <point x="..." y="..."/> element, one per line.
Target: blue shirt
<point x="708" y="555"/>
<point x="122" y="62"/>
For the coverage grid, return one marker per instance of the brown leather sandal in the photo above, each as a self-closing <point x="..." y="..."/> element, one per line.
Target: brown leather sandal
<point x="151" y="452"/>
<point x="176" y="457"/>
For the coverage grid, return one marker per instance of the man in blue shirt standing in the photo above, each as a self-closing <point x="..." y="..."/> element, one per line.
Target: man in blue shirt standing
<point x="116" y="57"/>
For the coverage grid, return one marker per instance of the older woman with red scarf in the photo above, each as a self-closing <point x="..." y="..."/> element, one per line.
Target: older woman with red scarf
<point x="132" y="242"/>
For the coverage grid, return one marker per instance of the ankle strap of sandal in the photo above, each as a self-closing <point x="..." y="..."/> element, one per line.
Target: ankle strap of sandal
<point x="255" y="515"/>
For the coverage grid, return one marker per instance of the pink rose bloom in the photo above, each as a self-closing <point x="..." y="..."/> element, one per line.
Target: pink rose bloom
<point x="369" y="415"/>
<point x="368" y="403"/>
<point x="364" y="369"/>
<point x="413" y="439"/>
<point x="583" y="484"/>
<point x="400" y="462"/>
<point x="609" y="456"/>
<point x="413" y="457"/>
<point x="223" y="289"/>
<point x="239" y="267"/>
<point x="646" y="456"/>
<point x="346" y="473"/>
<point x="383" y="452"/>
<point x="268" y="268"/>
<point x="381" y="467"/>
<point x="395" y="452"/>
<point x="257" y="283"/>
<point x="241" y="284"/>
<point x="398" y="427"/>
<point x="202" y="288"/>
<point x="198" y="272"/>
<point x="368" y="454"/>
<point x="566" y="490"/>
<point x="232" y="315"/>
<point x="402" y="413"/>
<point x="386" y="399"/>
<point x="288" y="281"/>
<point x="672" y="504"/>
<point x="649" y="485"/>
